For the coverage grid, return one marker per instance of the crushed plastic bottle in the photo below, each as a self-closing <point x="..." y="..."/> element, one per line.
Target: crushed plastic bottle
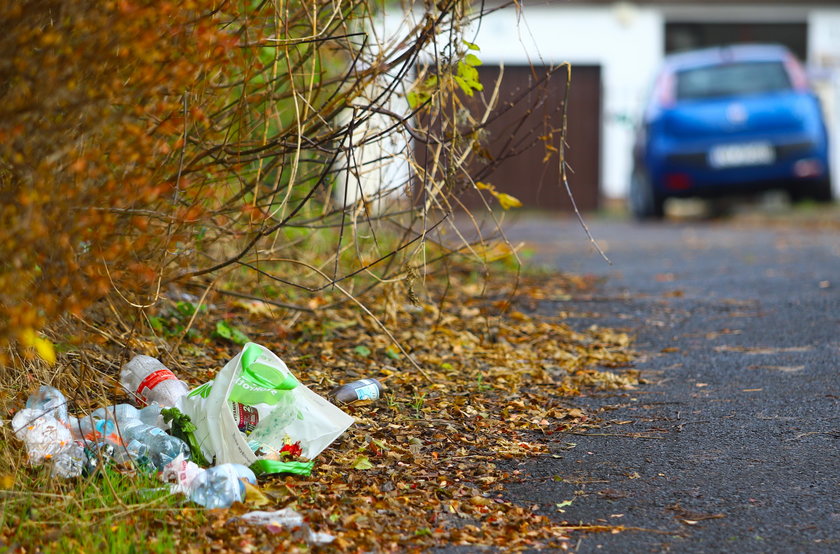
<point x="363" y="389"/>
<point x="151" y="381"/>
<point x="133" y="440"/>
<point x="146" y="442"/>
<point x="49" y="400"/>
<point x="71" y="462"/>
<point x="221" y="485"/>
<point x="43" y="435"/>
<point x="48" y="439"/>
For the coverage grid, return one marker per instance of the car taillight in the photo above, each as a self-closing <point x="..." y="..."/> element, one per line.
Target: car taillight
<point x="797" y="74"/>
<point x="807" y="168"/>
<point x="677" y="181"/>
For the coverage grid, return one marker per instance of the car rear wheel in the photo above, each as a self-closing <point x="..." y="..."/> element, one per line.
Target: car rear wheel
<point x="645" y="203"/>
<point x="822" y="191"/>
<point x="818" y="191"/>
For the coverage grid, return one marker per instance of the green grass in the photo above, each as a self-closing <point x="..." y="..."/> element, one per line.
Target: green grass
<point x="105" y="512"/>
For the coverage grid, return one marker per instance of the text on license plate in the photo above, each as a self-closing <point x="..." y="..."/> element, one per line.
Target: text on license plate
<point x="737" y="155"/>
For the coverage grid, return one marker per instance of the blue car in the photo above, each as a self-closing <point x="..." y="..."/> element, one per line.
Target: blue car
<point x="730" y="120"/>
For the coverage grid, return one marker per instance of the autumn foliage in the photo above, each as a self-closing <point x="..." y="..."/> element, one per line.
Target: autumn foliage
<point x="147" y="142"/>
<point x="92" y="121"/>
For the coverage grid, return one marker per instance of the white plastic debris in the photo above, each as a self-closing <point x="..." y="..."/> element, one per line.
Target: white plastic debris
<point x="286" y="518"/>
<point x="48" y="439"/>
<point x="43" y="435"/>
<point x="216" y="487"/>
<point x="180" y="472"/>
<point x="280" y="518"/>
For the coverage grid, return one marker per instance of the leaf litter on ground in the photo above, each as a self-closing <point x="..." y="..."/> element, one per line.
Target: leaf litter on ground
<point x="421" y="466"/>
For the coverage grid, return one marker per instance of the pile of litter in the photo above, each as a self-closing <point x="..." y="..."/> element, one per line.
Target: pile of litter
<point x="255" y="418"/>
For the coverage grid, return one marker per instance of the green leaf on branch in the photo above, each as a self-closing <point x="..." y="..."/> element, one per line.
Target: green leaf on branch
<point x="471" y="45"/>
<point x="472" y="60"/>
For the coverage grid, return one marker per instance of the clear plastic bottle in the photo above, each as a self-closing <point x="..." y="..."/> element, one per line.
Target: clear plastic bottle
<point x="49" y="400"/>
<point x="144" y="441"/>
<point x="94" y="428"/>
<point x="119" y="412"/>
<point x="151" y="381"/>
<point x="363" y="389"/>
<point x="150" y="415"/>
<point x="75" y="428"/>
<point x="221" y="485"/>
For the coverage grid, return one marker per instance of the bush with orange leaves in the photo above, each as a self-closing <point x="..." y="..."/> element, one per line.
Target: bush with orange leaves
<point x="92" y="121"/>
<point x="146" y="142"/>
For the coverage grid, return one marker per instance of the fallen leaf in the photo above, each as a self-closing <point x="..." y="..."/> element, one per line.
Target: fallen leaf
<point x="227" y="331"/>
<point x="362" y="350"/>
<point x="254" y="496"/>
<point x="362" y="462"/>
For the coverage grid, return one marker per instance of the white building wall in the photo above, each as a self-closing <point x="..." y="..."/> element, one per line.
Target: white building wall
<point x="824" y="63"/>
<point x="625" y="40"/>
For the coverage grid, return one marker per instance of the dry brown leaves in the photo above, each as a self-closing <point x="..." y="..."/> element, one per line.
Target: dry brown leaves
<point x="424" y="465"/>
<point x="420" y="466"/>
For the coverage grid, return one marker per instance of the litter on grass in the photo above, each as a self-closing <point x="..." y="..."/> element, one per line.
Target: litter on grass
<point x="254" y="417"/>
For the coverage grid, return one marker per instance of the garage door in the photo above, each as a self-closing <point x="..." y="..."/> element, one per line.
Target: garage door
<point x="527" y="128"/>
<point x="524" y="134"/>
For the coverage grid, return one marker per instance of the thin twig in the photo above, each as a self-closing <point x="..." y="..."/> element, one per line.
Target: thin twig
<point x="563" y="164"/>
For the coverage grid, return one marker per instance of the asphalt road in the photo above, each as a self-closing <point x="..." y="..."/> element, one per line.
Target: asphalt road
<point x="732" y="445"/>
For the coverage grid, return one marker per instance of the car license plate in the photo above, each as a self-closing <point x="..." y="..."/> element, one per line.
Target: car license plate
<point x="738" y="155"/>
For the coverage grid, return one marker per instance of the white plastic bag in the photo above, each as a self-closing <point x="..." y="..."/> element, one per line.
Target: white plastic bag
<point x="255" y="405"/>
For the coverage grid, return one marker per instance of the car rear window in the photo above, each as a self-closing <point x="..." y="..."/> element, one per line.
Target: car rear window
<point x="732" y="79"/>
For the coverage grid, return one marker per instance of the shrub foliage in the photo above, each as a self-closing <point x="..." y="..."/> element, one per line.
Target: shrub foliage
<point x="146" y="142"/>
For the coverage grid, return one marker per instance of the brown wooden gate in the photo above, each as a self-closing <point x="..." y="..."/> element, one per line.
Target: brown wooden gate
<point x="523" y="134"/>
<point x="525" y="130"/>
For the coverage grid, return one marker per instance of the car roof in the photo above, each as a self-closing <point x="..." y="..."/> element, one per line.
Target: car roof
<point x="726" y="54"/>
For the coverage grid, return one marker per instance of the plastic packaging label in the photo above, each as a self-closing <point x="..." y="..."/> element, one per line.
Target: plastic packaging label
<point x="154" y="379"/>
<point x="368" y="392"/>
<point x="246" y="417"/>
